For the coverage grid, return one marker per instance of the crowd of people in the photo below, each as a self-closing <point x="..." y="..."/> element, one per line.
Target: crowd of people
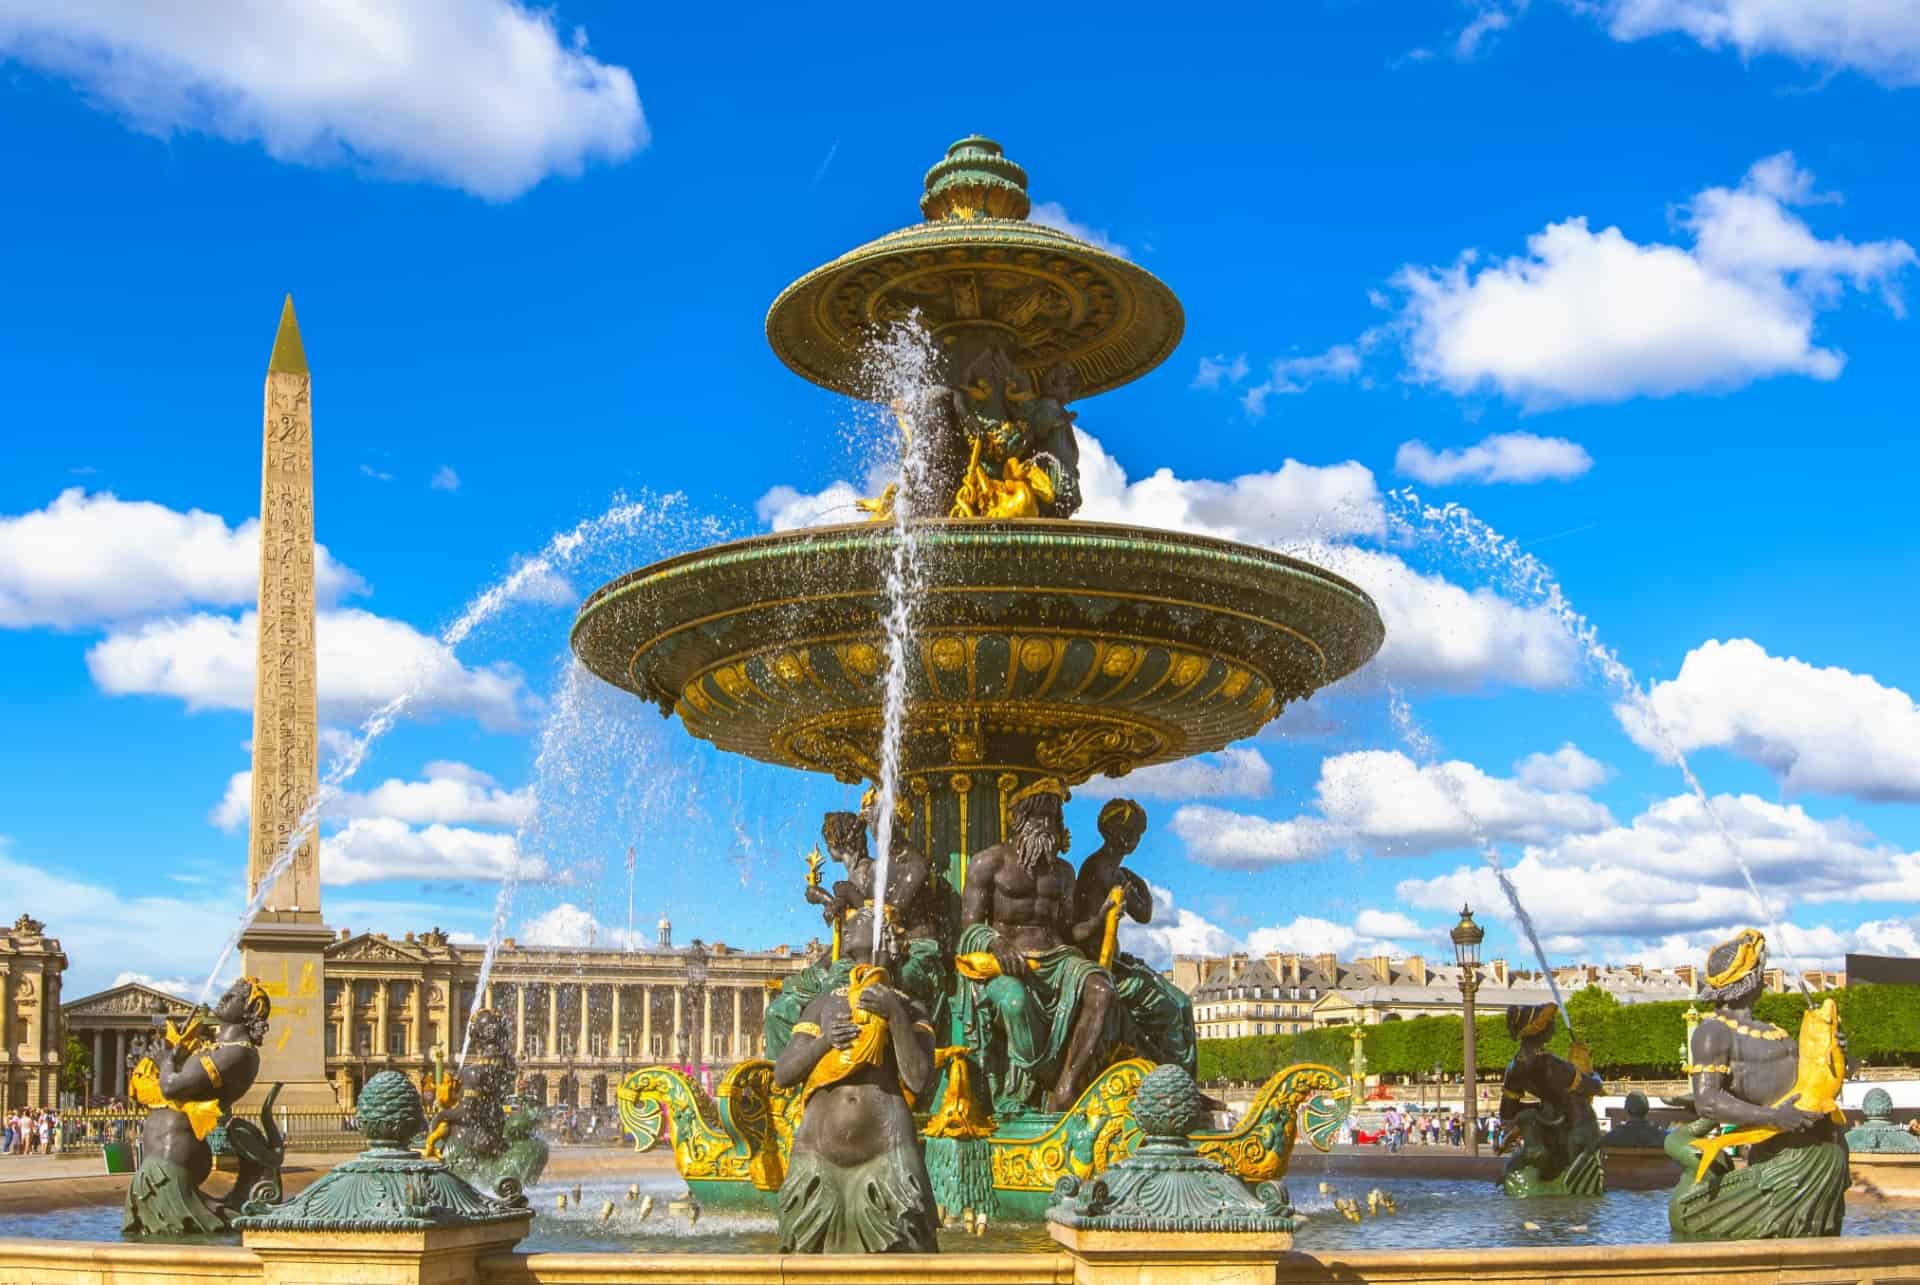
<point x="1402" y="1126"/>
<point x="31" y="1131"/>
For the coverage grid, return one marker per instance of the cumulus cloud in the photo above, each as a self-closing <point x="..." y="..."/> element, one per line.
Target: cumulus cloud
<point x="1825" y="730"/>
<point x="451" y="794"/>
<point x="444" y="479"/>
<point x="1567" y="768"/>
<point x="88" y="559"/>
<point x="179" y="986"/>
<point x="1177" y="930"/>
<point x="1291" y="503"/>
<point x="567" y="925"/>
<point x="1878" y="38"/>
<point x="1668" y="872"/>
<point x="1381" y="802"/>
<point x="363" y="661"/>
<point x="1231" y="773"/>
<point x="1289" y="375"/>
<point x="1587" y="316"/>
<point x="373" y="849"/>
<point x="488" y="96"/>
<point x="1054" y="215"/>
<point x="786" y="508"/>
<point x="99" y="926"/>
<point x="1499" y="457"/>
<point x="1174" y="930"/>
<point x="1220" y="368"/>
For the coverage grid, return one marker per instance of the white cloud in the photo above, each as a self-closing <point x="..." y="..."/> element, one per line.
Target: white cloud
<point x="1311" y="935"/>
<point x="1879" y="38"/>
<point x="1052" y="214"/>
<point x="171" y="985"/>
<point x="372" y="849"/>
<point x="1382" y="802"/>
<point x="488" y="96"/>
<point x="87" y="559"/>
<point x="368" y="470"/>
<point x="1215" y="369"/>
<point x="1290" y="375"/>
<point x="1567" y="768"/>
<point x="444" y="479"/>
<point x="1294" y="502"/>
<point x="1589" y="316"/>
<point x="1500" y="457"/>
<point x="104" y="932"/>
<point x="1826" y="730"/>
<point x="1230" y="773"/>
<point x="567" y="925"/>
<point x="451" y="794"/>
<point x="363" y="662"/>
<point x="1489" y="17"/>
<point x="786" y="509"/>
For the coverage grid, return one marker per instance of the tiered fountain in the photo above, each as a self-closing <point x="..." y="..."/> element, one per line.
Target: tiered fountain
<point x="1037" y="653"/>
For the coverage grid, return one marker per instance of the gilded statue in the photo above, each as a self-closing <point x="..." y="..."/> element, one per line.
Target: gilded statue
<point x="1770" y="1096"/>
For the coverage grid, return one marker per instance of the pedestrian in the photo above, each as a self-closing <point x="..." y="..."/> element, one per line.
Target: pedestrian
<point x="1392" y="1126"/>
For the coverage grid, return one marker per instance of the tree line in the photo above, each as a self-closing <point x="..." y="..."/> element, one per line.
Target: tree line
<point x="1642" y="1041"/>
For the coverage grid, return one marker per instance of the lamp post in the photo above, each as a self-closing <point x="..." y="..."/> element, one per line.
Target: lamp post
<point x="1467" y="937"/>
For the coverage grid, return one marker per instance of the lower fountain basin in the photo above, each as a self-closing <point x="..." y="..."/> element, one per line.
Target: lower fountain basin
<point x="1039" y="647"/>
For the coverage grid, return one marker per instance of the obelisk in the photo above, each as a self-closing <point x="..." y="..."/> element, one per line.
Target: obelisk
<point x="284" y="945"/>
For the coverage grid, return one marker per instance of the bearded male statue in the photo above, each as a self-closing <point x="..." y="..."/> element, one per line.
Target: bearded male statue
<point x="1037" y="1013"/>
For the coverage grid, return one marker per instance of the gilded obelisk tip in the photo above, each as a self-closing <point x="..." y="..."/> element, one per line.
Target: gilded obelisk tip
<point x="289" y="356"/>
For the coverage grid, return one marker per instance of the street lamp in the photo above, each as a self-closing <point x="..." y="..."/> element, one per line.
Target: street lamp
<point x="1467" y="937"/>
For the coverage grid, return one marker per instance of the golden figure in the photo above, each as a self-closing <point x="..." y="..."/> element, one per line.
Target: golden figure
<point x="1018" y="492"/>
<point x="446" y="1096"/>
<point x="1816" y="1087"/>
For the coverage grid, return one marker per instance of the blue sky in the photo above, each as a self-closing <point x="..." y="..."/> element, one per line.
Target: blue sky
<point x="1632" y="274"/>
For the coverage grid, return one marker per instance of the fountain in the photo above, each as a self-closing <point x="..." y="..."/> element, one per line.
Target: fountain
<point x="1036" y="652"/>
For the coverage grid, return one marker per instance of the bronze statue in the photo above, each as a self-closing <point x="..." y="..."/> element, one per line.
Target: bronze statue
<point x="1636" y="1130"/>
<point x="1776" y="1099"/>
<point x="1036" y="1011"/>
<point x="1546" y="1108"/>
<point x="860" y="1056"/>
<point x="483" y="1136"/>
<point x="191" y="1086"/>
<point x="1158" y="1014"/>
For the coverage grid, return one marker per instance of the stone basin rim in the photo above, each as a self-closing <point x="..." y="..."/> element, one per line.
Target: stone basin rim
<point x="959" y="531"/>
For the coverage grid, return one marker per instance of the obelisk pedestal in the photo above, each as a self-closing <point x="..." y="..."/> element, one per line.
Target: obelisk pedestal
<point x="284" y="944"/>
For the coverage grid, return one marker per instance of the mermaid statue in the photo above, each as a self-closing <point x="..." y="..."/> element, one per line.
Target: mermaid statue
<point x="191" y="1086"/>
<point x="1758" y="1091"/>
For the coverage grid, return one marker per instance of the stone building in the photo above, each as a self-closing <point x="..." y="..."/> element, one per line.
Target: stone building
<point x="117" y="1023"/>
<point x="582" y="1016"/>
<point x="31" y="1041"/>
<point x="1283" y="993"/>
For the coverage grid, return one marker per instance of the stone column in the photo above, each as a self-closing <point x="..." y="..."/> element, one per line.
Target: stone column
<point x="120" y="1064"/>
<point x="739" y="1044"/>
<point x="646" y="1020"/>
<point x="585" y="1050"/>
<point x="520" y="1020"/>
<point x="553" y="1020"/>
<point x="382" y="1002"/>
<point x="674" y="1038"/>
<point x="417" y="1038"/>
<point x="614" y="1032"/>
<point x="706" y="1022"/>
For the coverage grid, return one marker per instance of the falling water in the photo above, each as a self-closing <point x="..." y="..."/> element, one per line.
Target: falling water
<point x="1427" y="755"/>
<point x="624" y="518"/>
<point x="1529" y="578"/>
<point x="900" y="367"/>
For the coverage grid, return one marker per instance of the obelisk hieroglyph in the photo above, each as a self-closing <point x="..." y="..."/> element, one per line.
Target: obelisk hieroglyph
<point x="284" y="944"/>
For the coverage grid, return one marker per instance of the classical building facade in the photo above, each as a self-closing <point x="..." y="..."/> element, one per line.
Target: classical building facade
<point x="1283" y="993"/>
<point x="115" y="1026"/>
<point x="31" y="1040"/>
<point x="582" y="1016"/>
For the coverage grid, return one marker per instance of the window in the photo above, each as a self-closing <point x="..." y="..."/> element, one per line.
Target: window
<point x="363" y="994"/>
<point x="396" y="1039"/>
<point x="365" y="1042"/>
<point x="333" y="1040"/>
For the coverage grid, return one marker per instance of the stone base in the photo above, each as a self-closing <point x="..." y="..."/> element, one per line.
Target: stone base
<point x="1889" y="1175"/>
<point x="1171" y="1258"/>
<point x="1640" y="1169"/>
<point x="439" y="1256"/>
<point x="285" y="950"/>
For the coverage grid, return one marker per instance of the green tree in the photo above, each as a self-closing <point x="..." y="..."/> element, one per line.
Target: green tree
<point x="76" y="1067"/>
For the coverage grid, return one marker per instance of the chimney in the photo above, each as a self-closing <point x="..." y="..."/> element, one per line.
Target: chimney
<point x="1328" y="965"/>
<point x="1638" y="971"/>
<point x="1236" y="965"/>
<point x="1497" y="973"/>
<point x="1189" y="971"/>
<point x="1688" y="974"/>
<point x="1382" y="968"/>
<point x="1291" y="960"/>
<point x="1416" y="969"/>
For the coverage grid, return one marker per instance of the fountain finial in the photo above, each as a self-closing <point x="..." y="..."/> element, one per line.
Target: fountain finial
<point x="975" y="180"/>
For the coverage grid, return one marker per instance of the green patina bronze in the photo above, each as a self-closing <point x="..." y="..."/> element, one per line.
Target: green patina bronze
<point x="1636" y="1130"/>
<point x="1546" y="1104"/>
<point x="1877" y="1132"/>
<point x="1043" y="652"/>
<point x="389" y="1187"/>
<point x="1166" y="1185"/>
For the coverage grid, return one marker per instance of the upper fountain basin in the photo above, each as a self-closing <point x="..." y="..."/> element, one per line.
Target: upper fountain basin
<point x="1064" y="648"/>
